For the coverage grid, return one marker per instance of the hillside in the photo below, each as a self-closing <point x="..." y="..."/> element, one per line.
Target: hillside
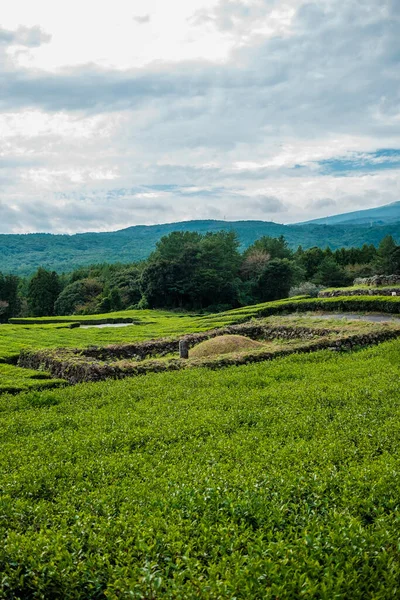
<point x="382" y="215"/>
<point x="23" y="253"/>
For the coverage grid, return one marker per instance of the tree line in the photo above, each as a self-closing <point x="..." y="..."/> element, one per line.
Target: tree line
<point x="194" y="271"/>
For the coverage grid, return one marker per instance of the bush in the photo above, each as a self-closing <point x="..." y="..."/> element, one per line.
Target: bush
<point x="305" y="289"/>
<point x="78" y="294"/>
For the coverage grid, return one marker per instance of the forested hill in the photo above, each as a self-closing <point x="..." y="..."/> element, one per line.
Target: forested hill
<point x="23" y="253"/>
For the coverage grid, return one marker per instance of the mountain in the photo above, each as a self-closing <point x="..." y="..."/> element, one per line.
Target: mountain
<point x="22" y="254"/>
<point x="382" y="215"/>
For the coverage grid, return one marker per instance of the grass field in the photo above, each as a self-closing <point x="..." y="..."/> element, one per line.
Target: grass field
<point x="153" y="324"/>
<point x="150" y="324"/>
<point x="275" y="480"/>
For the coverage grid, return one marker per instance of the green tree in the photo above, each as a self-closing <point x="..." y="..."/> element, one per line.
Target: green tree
<point x="274" y="282"/>
<point x="330" y="274"/>
<point x="115" y="299"/>
<point x="387" y="259"/>
<point x="82" y="295"/>
<point x="9" y="296"/>
<point x="310" y="260"/>
<point x="273" y="247"/>
<point x="43" y="290"/>
<point x="190" y="270"/>
<point x="127" y="281"/>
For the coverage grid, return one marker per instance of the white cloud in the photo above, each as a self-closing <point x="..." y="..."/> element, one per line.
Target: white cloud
<point x="207" y="109"/>
<point x="142" y="19"/>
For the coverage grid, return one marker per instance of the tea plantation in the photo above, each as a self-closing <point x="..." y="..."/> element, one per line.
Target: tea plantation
<point x="276" y="480"/>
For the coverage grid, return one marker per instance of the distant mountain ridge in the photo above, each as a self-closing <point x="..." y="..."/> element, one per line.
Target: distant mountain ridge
<point x="22" y="254"/>
<point x="381" y="215"/>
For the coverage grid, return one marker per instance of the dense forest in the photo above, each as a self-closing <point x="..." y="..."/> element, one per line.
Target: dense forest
<point x="22" y="253"/>
<point x="193" y="271"/>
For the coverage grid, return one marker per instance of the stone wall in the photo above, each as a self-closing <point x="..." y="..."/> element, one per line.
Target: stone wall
<point x="360" y="292"/>
<point x="162" y="347"/>
<point x="77" y="368"/>
<point x="378" y="280"/>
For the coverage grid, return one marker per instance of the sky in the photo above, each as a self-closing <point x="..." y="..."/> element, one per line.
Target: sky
<point x="141" y="112"/>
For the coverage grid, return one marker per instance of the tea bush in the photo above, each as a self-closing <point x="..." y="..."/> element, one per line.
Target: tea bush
<point x="15" y="379"/>
<point x="272" y="480"/>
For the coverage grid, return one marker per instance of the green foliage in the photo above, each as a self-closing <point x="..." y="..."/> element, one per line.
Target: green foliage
<point x="274" y="281"/>
<point x="78" y="295"/>
<point x="264" y="481"/>
<point x="43" y="291"/>
<point x="310" y="261"/>
<point x="387" y="259"/>
<point x="329" y="273"/>
<point x="21" y="254"/>
<point x="274" y="247"/>
<point x="9" y="299"/>
<point x="188" y="270"/>
<point x="194" y="271"/>
<point x="127" y="282"/>
<point x="353" y="256"/>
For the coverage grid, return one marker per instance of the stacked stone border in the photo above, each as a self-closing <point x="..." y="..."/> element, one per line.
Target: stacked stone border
<point x="162" y="347"/>
<point x="75" y="365"/>
<point x="390" y="291"/>
<point x="378" y="280"/>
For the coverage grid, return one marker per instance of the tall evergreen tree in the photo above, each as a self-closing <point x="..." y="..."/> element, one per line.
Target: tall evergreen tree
<point x="331" y="274"/>
<point x="274" y="282"/>
<point x="190" y="270"/>
<point x="10" y="296"/>
<point x="387" y="261"/>
<point x="43" y="291"/>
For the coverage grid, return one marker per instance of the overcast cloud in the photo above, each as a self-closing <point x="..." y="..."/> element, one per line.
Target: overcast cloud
<point x="230" y="109"/>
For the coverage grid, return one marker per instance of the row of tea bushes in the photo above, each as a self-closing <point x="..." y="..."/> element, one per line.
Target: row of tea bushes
<point x="265" y="481"/>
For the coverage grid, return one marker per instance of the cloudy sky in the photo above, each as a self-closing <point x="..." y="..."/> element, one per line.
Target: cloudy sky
<point x="139" y="112"/>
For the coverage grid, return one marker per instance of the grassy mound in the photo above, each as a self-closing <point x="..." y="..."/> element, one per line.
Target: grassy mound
<point x="224" y="344"/>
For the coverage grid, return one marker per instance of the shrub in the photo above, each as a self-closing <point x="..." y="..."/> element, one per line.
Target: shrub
<point x="305" y="289"/>
<point x="77" y="294"/>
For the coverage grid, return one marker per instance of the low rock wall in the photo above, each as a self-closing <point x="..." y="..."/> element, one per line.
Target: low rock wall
<point x="163" y="347"/>
<point x="77" y="368"/>
<point x="378" y="280"/>
<point x="359" y="292"/>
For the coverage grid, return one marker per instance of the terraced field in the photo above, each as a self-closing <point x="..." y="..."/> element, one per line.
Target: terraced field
<point x="270" y="479"/>
<point x="35" y="334"/>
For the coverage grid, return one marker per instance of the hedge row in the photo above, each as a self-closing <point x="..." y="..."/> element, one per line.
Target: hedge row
<point x="81" y="321"/>
<point x="361" y="302"/>
<point x="385" y="304"/>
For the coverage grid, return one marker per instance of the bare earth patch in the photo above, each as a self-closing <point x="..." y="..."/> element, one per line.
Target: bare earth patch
<point x="224" y="344"/>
